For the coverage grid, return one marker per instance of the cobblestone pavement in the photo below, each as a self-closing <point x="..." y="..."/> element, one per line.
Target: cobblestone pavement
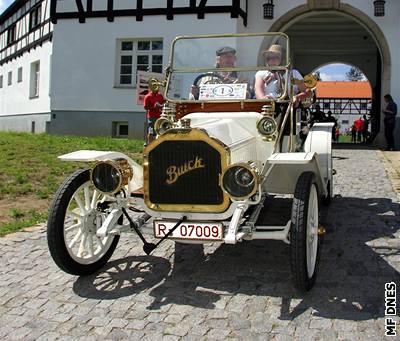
<point x="238" y="292"/>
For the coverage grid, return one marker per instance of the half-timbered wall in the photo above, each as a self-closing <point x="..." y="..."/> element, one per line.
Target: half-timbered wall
<point x="26" y="28"/>
<point x="346" y="110"/>
<point x="25" y="66"/>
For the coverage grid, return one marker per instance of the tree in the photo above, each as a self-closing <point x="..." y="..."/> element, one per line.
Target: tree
<point x="354" y="74"/>
<point x="317" y="75"/>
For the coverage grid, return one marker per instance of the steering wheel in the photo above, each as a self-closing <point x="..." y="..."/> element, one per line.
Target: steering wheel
<point x="213" y="75"/>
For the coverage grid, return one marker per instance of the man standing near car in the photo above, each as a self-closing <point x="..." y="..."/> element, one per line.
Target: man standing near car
<point x="153" y="103"/>
<point x="390" y="113"/>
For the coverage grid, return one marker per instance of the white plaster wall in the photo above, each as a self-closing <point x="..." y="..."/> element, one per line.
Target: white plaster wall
<point x="390" y="26"/>
<point x="83" y="75"/>
<point x="14" y="99"/>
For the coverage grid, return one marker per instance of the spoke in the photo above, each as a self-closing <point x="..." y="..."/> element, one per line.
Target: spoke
<point x="79" y="202"/>
<point x="75" y="215"/>
<point x="94" y="198"/>
<point x="99" y="241"/>
<point x="79" y="224"/>
<point x="87" y="197"/>
<point x="90" y="245"/>
<point x="73" y="241"/>
<point x="100" y="244"/>
<point x="82" y="245"/>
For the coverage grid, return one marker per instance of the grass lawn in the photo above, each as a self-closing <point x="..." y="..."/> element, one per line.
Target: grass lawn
<point x="30" y="172"/>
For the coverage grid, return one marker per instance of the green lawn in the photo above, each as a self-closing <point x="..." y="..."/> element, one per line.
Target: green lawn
<point x="30" y="172"/>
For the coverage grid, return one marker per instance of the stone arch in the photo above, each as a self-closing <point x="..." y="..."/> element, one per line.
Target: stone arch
<point x="335" y="7"/>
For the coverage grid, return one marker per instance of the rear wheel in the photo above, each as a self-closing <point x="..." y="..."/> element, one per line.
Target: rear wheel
<point x="72" y="226"/>
<point x="304" y="241"/>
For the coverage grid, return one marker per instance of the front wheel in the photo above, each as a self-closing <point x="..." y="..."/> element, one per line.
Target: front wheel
<point x="72" y="226"/>
<point x="304" y="241"/>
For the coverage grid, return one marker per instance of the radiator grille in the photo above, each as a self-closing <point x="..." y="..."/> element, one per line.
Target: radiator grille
<point x="184" y="173"/>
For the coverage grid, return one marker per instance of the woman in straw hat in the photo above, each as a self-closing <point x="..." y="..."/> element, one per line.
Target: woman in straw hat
<point x="270" y="84"/>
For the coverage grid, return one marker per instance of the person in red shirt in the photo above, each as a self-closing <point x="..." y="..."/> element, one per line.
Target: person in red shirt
<point x="153" y="103"/>
<point x="358" y="125"/>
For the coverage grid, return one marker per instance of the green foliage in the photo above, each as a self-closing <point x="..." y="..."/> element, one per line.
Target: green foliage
<point x="317" y="75"/>
<point x="31" y="218"/>
<point x="16" y="213"/>
<point x="354" y="74"/>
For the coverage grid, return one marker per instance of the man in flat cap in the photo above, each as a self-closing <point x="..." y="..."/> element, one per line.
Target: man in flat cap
<point x="225" y="58"/>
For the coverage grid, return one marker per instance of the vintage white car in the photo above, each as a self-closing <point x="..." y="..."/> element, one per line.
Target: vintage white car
<point x="222" y="157"/>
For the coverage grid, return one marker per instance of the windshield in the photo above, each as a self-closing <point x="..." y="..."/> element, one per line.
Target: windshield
<point x="221" y="68"/>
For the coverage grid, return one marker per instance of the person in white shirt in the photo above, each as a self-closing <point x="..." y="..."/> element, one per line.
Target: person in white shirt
<point x="270" y="84"/>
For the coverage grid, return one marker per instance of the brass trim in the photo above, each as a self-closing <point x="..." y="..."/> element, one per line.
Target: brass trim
<point x="123" y="168"/>
<point x="253" y="172"/>
<point x="185" y="135"/>
<point x="161" y="121"/>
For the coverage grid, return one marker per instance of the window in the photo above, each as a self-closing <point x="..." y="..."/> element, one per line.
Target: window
<point x="327" y="105"/>
<point x="1" y="81"/>
<point x="11" y="34"/>
<point x="345" y="121"/>
<point x="120" y="129"/>
<point x="9" y="82"/>
<point x="363" y="106"/>
<point x="19" y="76"/>
<point x="34" y="17"/>
<point x="138" y="55"/>
<point x="34" y="81"/>
<point x="338" y="105"/>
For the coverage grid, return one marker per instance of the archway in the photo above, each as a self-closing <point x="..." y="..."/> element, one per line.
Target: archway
<point x="345" y="93"/>
<point x="340" y="33"/>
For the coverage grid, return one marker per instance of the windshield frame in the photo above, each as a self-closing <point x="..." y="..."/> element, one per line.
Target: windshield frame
<point x="171" y="70"/>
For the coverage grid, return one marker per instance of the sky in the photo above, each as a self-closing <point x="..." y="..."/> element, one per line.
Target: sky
<point x="4" y="4"/>
<point x="330" y="72"/>
<point x="334" y="72"/>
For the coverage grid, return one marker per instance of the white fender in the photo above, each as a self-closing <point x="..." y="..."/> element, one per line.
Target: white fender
<point x="319" y="140"/>
<point x="285" y="168"/>
<point x="97" y="155"/>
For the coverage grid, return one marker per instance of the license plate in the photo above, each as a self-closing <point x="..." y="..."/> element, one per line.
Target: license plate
<point x="189" y="230"/>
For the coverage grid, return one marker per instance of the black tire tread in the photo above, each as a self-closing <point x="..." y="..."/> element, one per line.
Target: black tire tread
<point x="298" y="233"/>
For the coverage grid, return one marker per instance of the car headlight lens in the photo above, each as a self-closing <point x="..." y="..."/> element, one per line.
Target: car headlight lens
<point x="267" y="126"/>
<point x="239" y="181"/>
<point x="111" y="175"/>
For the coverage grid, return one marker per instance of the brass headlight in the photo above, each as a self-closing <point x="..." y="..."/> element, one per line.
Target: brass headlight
<point x="162" y="125"/>
<point x="240" y="181"/>
<point x="111" y="175"/>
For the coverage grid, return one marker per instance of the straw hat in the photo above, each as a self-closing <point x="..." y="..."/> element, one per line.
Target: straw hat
<point x="274" y="50"/>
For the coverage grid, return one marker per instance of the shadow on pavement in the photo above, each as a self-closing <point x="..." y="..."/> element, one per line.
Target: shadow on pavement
<point x="350" y="283"/>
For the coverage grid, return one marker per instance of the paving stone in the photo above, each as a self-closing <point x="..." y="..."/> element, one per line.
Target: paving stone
<point x="231" y="295"/>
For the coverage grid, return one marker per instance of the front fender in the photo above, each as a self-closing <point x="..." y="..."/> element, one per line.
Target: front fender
<point x="98" y="155"/>
<point x="285" y="168"/>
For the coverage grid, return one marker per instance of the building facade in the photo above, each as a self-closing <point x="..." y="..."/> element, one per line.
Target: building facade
<point x="89" y="69"/>
<point x="347" y="101"/>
